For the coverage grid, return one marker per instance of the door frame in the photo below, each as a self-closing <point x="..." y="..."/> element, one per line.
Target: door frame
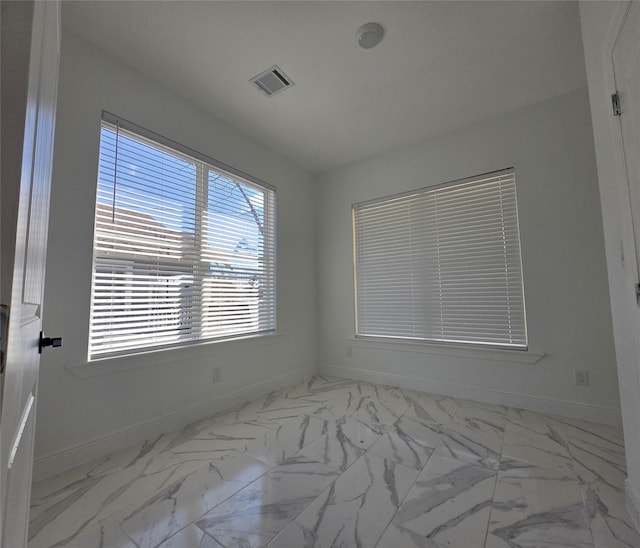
<point x="630" y="244"/>
<point x="613" y="33"/>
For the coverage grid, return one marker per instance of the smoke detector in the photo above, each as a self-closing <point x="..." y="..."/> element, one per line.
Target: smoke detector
<point x="272" y="81"/>
<point x="369" y="35"/>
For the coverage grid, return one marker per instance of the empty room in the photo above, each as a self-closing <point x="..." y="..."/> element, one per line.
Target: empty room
<point x="320" y="274"/>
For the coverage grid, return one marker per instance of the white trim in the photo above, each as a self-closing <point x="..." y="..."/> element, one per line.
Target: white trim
<point x="448" y="349"/>
<point x="632" y="497"/>
<point x="633" y="503"/>
<point x="59" y="461"/>
<point x="616" y="24"/>
<point x="607" y="415"/>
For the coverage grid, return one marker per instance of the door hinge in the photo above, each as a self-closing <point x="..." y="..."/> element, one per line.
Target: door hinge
<point x="638" y="293"/>
<point x="615" y="103"/>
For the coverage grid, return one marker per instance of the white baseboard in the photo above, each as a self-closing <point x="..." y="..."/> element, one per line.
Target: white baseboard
<point x="606" y="415"/>
<point x="633" y="503"/>
<point x="59" y="461"/>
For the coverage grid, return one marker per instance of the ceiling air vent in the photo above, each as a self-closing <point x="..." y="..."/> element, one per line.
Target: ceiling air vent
<point x="272" y="80"/>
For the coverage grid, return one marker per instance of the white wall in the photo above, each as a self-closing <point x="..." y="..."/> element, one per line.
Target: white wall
<point x="600" y="21"/>
<point x="177" y="385"/>
<point x="551" y="147"/>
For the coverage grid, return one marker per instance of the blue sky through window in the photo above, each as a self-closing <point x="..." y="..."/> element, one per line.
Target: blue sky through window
<point x="153" y="181"/>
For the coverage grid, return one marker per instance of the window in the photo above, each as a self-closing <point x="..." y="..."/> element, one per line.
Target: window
<point x="442" y="264"/>
<point x="184" y="248"/>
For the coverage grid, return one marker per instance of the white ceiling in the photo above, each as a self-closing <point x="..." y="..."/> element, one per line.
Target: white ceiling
<point x="441" y="65"/>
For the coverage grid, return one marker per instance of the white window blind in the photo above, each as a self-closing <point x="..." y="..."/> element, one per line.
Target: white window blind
<point x="184" y="250"/>
<point x="442" y="264"/>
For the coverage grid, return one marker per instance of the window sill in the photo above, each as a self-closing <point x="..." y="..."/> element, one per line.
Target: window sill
<point x="450" y="350"/>
<point x="107" y="366"/>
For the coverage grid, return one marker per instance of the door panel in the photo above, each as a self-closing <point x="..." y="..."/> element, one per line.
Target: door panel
<point x="20" y="377"/>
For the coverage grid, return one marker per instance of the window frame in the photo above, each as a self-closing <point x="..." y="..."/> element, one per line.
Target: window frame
<point x="204" y="165"/>
<point x="443" y="343"/>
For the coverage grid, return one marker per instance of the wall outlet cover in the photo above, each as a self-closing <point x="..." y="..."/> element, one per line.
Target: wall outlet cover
<point x="581" y="377"/>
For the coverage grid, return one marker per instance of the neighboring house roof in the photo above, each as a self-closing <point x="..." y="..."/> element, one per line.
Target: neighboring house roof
<point x="137" y="233"/>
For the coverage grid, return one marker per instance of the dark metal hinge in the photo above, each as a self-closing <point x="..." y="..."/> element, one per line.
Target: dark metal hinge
<point x="638" y="293"/>
<point x="615" y="103"/>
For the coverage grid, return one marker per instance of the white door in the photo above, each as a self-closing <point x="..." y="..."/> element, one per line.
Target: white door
<point x="626" y="67"/>
<point x="22" y="359"/>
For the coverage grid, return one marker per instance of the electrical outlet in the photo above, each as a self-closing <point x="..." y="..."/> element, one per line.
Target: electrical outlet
<point x="581" y="377"/>
<point x="217" y="374"/>
<point x="349" y="352"/>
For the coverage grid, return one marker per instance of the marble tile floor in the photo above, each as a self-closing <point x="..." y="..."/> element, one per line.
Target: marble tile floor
<point x="339" y="463"/>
